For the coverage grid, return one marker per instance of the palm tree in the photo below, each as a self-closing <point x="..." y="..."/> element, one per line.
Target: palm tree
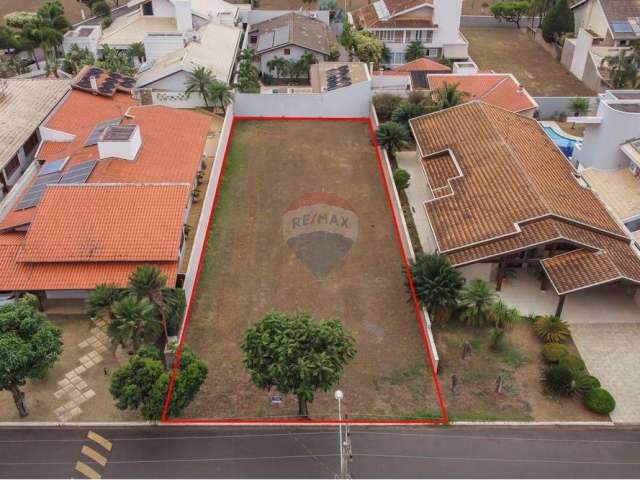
<point x="476" y="300"/>
<point x="446" y="96"/>
<point x="136" y="50"/>
<point x="200" y="81"/>
<point x="220" y="94"/>
<point x="115" y="61"/>
<point x="278" y="64"/>
<point x="437" y="284"/>
<point x="502" y="315"/>
<point x="133" y="318"/>
<point x="405" y="111"/>
<point x="392" y="136"/>
<point x="148" y="281"/>
<point x="623" y="70"/>
<point x="414" y="51"/>
<point x="76" y="58"/>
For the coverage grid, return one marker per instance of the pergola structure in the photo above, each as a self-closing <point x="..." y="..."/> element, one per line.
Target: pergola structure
<point x="503" y="193"/>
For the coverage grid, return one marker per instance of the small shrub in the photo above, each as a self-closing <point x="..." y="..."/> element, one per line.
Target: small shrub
<point x="401" y="178"/>
<point x="385" y="104"/>
<point x="497" y="339"/>
<point x="106" y="22"/>
<point x="101" y="9"/>
<point x="572" y="362"/>
<point x="553" y="352"/>
<point x="559" y="380"/>
<point x="551" y="329"/>
<point x="600" y="401"/>
<point x="18" y="19"/>
<point x="585" y="383"/>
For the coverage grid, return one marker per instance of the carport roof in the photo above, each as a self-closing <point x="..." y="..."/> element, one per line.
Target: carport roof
<point x="502" y="186"/>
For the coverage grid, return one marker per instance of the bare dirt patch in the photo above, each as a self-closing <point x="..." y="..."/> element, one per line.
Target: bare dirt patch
<point x="72" y="8"/>
<point x="520" y="364"/>
<point x="509" y="50"/>
<point x="249" y="270"/>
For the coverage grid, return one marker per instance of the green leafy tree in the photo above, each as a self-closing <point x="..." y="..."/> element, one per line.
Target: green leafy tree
<point x="220" y="95"/>
<point x="136" y="50"/>
<point x="18" y="19"/>
<point x="247" y="73"/>
<point x="334" y="53"/>
<point x="476" y="300"/>
<point x="346" y="37"/>
<point x="77" y="58"/>
<point x="622" y="69"/>
<point x="200" y="81"/>
<point x="53" y="13"/>
<point x="367" y="48"/>
<point x="133" y="319"/>
<point x="296" y="355"/>
<point x="437" y="284"/>
<point x="402" y="178"/>
<point x="405" y="111"/>
<point x="392" y="136"/>
<point x="29" y="346"/>
<point x="385" y="104"/>
<point x="579" y="105"/>
<point x="558" y="21"/>
<point x="115" y="61"/>
<point x="278" y="64"/>
<point x="143" y="383"/>
<point x="414" y="51"/>
<point x="510" y="12"/>
<point x="101" y="9"/>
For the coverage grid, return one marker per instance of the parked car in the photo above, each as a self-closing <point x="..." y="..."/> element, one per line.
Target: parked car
<point x="8" y="297"/>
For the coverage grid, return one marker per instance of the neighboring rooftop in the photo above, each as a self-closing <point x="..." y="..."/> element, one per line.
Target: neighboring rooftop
<point x="216" y="50"/>
<point x="24" y="105"/>
<point x="133" y="27"/>
<point x="96" y="80"/>
<point x="328" y="76"/>
<point x="423" y="65"/>
<point x="619" y="189"/>
<point x="82" y="220"/>
<point x="380" y="14"/>
<point x="293" y="29"/>
<point x="508" y="188"/>
<point x="502" y="90"/>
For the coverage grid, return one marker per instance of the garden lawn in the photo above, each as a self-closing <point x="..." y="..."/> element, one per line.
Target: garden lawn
<point x="249" y="270"/>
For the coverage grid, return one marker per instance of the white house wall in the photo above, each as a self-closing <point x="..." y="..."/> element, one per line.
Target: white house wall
<point x="350" y="101"/>
<point x="257" y="16"/>
<point x="156" y="46"/>
<point x="295" y="55"/>
<point x="176" y="82"/>
<point x="163" y="8"/>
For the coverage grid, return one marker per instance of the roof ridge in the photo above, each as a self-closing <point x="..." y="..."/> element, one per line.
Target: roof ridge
<point x="493" y="88"/>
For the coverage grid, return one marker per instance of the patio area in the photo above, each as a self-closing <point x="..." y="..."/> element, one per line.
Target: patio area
<point x="605" y="327"/>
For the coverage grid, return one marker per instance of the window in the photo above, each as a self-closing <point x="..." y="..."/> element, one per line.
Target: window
<point x="31" y="144"/>
<point x="428" y="37"/>
<point x="11" y="167"/>
<point x="147" y="8"/>
<point x="433" y="52"/>
<point x="418" y="34"/>
<point x="253" y="38"/>
<point x="287" y="51"/>
<point x="397" y="58"/>
<point x="386" y="35"/>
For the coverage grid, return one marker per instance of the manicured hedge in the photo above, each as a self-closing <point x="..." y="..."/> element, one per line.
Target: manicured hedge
<point x="599" y="401"/>
<point x="553" y="352"/>
<point x="572" y="362"/>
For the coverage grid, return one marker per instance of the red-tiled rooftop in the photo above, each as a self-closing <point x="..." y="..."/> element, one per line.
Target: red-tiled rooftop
<point x="501" y="90"/>
<point x="516" y="190"/>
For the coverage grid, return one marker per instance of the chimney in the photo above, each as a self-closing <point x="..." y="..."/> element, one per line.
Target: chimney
<point x="120" y="141"/>
<point x="94" y="82"/>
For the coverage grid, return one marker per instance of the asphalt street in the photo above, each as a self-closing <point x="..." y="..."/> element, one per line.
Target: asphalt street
<point x="193" y="452"/>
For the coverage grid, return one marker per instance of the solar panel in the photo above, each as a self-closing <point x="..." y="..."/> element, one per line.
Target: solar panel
<point x="35" y="193"/>
<point x="52" y="167"/>
<point x="92" y="139"/>
<point x="622" y="27"/>
<point x="79" y="173"/>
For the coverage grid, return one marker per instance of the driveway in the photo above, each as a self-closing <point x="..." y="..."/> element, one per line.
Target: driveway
<point x="605" y="326"/>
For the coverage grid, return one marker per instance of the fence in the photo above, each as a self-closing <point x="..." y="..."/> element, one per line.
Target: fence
<point x="199" y="241"/>
<point x="487" y="21"/>
<point x="176" y="99"/>
<point x="404" y="233"/>
<point x="552" y="107"/>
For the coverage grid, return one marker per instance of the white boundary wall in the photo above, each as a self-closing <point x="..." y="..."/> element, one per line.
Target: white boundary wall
<point x="198" y="249"/>
<point x="350" y="101"/>
<point x="405" y="238"/>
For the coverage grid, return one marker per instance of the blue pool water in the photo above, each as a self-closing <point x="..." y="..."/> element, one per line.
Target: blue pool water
<point x="566" y="145"/>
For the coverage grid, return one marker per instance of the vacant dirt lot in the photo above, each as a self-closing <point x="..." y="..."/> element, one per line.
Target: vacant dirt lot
<point x="250" y="269"/>
<point x="72" y="8"/>
<point x="508" y="50"/>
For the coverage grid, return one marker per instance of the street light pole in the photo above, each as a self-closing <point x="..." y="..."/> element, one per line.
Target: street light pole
<point x="338" y="395"/>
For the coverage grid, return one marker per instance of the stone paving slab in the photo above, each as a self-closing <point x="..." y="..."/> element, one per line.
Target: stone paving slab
<point x="612" y="353"/>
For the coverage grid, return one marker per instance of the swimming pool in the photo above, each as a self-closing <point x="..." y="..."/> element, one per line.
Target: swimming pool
<point x="565" y="144"/>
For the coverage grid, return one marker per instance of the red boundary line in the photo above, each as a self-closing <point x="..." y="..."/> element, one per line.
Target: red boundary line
<point x="441" y="421"/>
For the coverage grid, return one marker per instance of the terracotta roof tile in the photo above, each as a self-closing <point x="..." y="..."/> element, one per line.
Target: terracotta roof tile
<point x="422" y="64"/>
<point x="107" y="223"/>
<point x="516" y="191"/>
<point x="497" y="89"/>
